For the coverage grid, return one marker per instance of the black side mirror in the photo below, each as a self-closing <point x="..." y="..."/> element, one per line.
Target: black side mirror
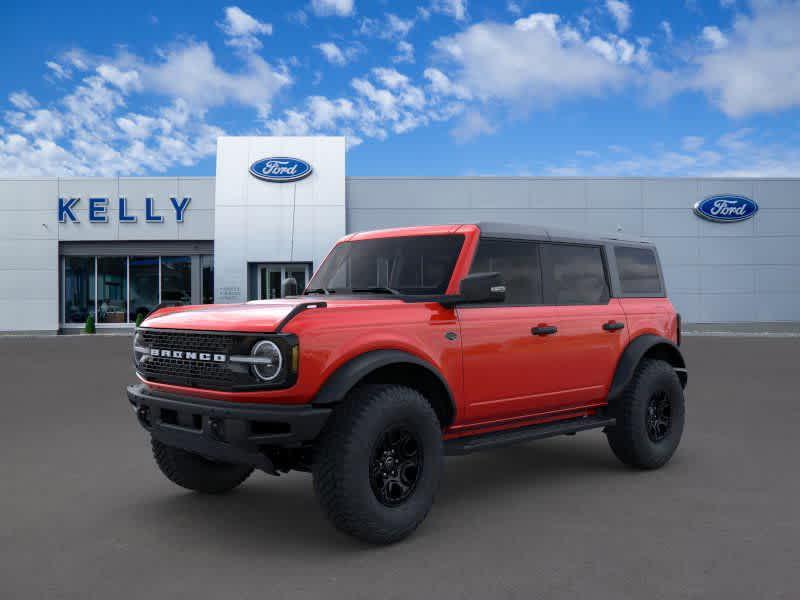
<point x="482" y="287"/>
<point x="289" y="287"/>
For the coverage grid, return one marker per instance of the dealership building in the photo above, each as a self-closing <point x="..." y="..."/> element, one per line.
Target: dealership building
<point x="116" y="247"/>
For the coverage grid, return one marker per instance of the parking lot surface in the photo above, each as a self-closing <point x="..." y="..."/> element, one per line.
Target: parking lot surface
<point x="84" y="512"/>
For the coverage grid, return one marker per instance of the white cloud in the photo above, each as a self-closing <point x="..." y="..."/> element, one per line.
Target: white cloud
<point x="391" y="78"/>
<point x="385" y="101"/>
<point x="191" y="72"/>
<point x="692" y="143"/>
<point x="735" y="154"/>
<point x="332" y="53"/>
<point x="666" y="27"/>
<point x="22" y="100"/>
<point x="127" y="80"/>
<point x="727" y="3"/>
<point x="715" y="37"/>
<point x="619" y="50"/>
<point x="621" y="11"/>
<point x="243" y="29"/>
<point x="397" y="26"/>
<point x="336" y="55"/>
<point x="471" y="125"/>
<point x="91" y="131"/>
<point x="57" y="70"/>
<point x="537" y="60"/>
<point x="441" y="84"/>
<point x="514" y="8"/>
<point x="405" y="52"/>
<point x="339" y="8"/>
<point x="453" y="8"/>
<point x="298" y="16"/>
<point x="138" y="126"/>
<point x="758" y="70"/>
<point x="391" y="27"/>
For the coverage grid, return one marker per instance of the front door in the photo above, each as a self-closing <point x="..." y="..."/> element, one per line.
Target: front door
<point x="506" y="367"/>
<point x="272" y="276"/>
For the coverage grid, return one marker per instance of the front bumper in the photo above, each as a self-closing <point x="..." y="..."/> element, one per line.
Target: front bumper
<point x="224" y="431"/>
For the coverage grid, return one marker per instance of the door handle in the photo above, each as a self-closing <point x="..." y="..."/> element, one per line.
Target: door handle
<point x="544" y="330"/>
<point x="613" y="326"/>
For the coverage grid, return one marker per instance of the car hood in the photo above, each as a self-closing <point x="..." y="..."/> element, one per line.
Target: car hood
<point x="253" y="317"/>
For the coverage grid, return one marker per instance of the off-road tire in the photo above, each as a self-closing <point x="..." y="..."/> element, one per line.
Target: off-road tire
<point x="629" y="438"/>
<point x="344" y="455"/>
<point x="194" y="472"/>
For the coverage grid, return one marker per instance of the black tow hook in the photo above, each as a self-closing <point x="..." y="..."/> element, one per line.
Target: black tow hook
<point x="216" y="428"/>
<point x="143" y="414"/>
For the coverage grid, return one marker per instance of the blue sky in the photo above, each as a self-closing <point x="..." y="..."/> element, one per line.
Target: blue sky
<point x="439" y="87"/>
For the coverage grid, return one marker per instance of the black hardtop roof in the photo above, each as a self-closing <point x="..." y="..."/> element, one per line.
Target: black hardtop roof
<point x="550" y="234"/>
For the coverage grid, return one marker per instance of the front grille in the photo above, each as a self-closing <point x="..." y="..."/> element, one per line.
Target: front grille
<point x="190" y="373"/>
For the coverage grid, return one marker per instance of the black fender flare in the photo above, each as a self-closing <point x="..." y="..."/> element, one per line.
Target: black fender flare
<point x="654" y="345"/>
<point x="349" y="374"/>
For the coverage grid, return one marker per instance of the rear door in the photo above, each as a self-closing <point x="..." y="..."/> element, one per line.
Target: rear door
<point x="591" y="325"/>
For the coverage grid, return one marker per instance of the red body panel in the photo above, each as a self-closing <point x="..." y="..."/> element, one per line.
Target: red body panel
<point x="500" y="374"/>
<point x="509" y="372"/>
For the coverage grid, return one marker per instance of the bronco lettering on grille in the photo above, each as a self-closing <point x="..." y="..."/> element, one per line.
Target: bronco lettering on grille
<point x="187" y="355"/>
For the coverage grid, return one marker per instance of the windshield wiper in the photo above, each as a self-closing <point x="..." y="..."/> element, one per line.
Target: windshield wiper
<point x="320" y="290"/>
<point x="376" y="290"/>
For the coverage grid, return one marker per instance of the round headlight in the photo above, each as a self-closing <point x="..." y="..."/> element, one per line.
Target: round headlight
<point x="267" y="360"/>
<point x="140" y="352"/>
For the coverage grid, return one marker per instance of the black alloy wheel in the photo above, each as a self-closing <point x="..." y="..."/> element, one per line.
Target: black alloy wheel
<point x="395" y="466"/>
<point x="659" y="416"/>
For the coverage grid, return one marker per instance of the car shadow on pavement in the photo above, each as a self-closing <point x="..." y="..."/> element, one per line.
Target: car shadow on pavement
<point x="282" y="515"/>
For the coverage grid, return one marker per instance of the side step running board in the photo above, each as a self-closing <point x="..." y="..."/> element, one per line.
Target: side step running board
<point x="496" y="439"/>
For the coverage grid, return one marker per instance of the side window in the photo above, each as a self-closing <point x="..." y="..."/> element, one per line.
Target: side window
<point x="638" y="271"/>
<point x="518" y="263"/>
<point x="574" y="274"/>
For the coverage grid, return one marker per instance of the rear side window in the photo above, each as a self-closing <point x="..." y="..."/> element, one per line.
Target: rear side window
<point x="518" y="264"/>
<point x="638" y="271"/>
<point x="574" y="274"/>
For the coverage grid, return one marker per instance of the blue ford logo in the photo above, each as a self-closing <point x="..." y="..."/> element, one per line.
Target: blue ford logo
<point x="280" y="169"/>
<point x="726" y="209"/>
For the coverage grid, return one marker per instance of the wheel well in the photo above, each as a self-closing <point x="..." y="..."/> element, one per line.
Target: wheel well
<point x="668" y="354"/>
<point x="422" y="380"/>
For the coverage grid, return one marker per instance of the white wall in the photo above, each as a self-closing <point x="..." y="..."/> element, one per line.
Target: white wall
<point x="253" y="218"/>
<point x="28" y="255"/>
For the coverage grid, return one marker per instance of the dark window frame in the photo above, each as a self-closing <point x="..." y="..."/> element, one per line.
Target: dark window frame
<point x="652" y="249"/>
<point x="535" y="243"/>
<point x="606" y="272"/>
<point x="461" y="240"/>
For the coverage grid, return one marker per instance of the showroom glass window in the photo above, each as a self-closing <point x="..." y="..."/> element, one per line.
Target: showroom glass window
<point x="143" y="285"/>
<point x="207" y="270"/>
<point x="79" y="288"/>
<point x="112" y="289"/>
<point x="574" y="274"/>
<point x="176" y="279"/>
<point x="518" y="265"/>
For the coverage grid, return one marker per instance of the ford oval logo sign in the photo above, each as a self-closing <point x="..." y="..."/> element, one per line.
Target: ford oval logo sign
<point x="726" y="209"/>
<point x="280" y="169"/>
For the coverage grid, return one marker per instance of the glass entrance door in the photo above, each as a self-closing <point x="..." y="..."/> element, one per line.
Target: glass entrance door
<point x="271" y="278"/>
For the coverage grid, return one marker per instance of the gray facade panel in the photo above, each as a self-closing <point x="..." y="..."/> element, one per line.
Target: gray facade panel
<point x="715" y="272"/>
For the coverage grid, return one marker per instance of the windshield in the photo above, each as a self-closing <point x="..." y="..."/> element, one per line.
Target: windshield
<point x="396" y="265"/>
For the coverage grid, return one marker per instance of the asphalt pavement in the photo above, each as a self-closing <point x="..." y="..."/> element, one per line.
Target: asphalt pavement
<point x="84" y="512"/>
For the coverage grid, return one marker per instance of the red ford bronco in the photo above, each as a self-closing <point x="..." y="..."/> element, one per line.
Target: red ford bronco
<point x="408" y="345"/>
